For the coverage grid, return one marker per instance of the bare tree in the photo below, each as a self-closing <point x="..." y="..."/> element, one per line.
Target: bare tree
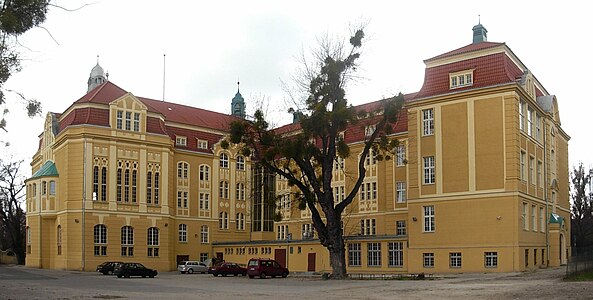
<point x="582" y="207"/>
<point x="12" y="215"/>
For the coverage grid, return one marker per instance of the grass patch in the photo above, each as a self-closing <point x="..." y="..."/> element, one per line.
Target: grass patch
<point x="581" y="276"/>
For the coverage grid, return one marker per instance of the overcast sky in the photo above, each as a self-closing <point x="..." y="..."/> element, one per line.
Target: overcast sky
<point x="210" y="46"/>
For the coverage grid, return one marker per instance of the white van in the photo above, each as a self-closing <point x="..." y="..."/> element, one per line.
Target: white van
<point x="192" y="266"/>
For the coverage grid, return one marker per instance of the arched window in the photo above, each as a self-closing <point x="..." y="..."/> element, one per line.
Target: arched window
<point x="240" y="163"/>
<point x="240" y="221"/>
<point x="224" y="190"/>
<point x="52" y="187"/>
<point x="183" y="233"/>
<point x="223" y="220"/>
<point x="127" y="241"/>
<point x="204" y="173"/>
<point x="240" y="193"/>
<point x="224" y="160"/>
<point x="100" y="239"/>
<point x="204" y="234"/>
<point x="153" y="242"/>
<point x="182" y="170"/>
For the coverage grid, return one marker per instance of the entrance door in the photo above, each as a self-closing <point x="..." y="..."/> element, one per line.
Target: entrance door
<point x="311" y="262"/>
<point x="280" y="256"/>
<point x="181" y="258"/>
<point x="219" y="257"/>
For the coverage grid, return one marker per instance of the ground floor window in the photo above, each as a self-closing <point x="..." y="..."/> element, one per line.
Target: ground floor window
<point x="354" y="255"/>
<point x="455" y="260"/>
<point x="543" y="257"/>
<point x="374" y="254"/>
<point x="396" y="254"/>
<point x="526" y="257"/>
<point x="428" y="260"/>
<point x="100" y="240"/>
<point x="203" y="257"/>
<point x="153" y="242"/>
<point x="491" y="259"/>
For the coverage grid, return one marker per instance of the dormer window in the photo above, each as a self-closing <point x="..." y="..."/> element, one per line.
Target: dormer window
<point x="181" y="141"/>
<point x="461" y="79"/>
<point x="132" y="120"/>
<point x="202" y="144"/>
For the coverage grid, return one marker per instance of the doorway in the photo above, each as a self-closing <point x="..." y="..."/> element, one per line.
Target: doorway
<point x="311" y="262"/>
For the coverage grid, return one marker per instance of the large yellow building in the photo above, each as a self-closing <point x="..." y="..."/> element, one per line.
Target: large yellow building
<point x="479" y="184"/>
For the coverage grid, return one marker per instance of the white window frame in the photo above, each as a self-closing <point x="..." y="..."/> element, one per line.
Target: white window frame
<point x="396" y="254"/>
<point x="428" y="213"/>
<point x="400" y="191"/>
<point x="427" y="122"/>
<point x="180" y="141"/>
<point x="455" y="260"/>
<point x="522" y="161"/>
<point x="354" y="255"/>
<point x="374" y="254"/>
<point x="491" y="259"/>
<point x="204" y="234"/>
<point x="429" y="170"/>
<point x="400" y="227"/>
<point x="533" y="217"/>
<point x="521" y="115"/>
<point x="182" y="233"/>
<point x="224" y="160"/>
<point x="400" y="155"/>
<point x="368" y="227"/>
<point x="428" y="260"/>
<point x="542" y="218"/>
<point x="202" y="144"/>
<point x="530" y="130"/>
<point x="240" y="163"/>
<point x="525" y="216"/>
<point x="461" y="79"/>
<point x="532" y="169"/>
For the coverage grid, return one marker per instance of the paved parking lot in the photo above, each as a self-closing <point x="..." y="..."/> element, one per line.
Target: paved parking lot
<point x="18" y="282"/>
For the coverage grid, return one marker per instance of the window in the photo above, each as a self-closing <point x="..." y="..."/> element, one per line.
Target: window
<point x="136" y="122"/>
<point x="223" y="220"/>
<point x="400" y="155"/>
<point x="204" y="173"/>
<point x="204" y="201"/>
<point x="202" y="144"/>
<point x="543" y="257"/>
<point x="401" y="192"/>
<point x="204" y="234"/>
<point x="119" y="119"/>
<point x="203" y="257"/>
<point x="530" y="121"/>
<point x="127" y="241"/>
<point x="149" y="187"/>
<point x="240" y="221"/>
<point x="156" y="188"/>
<point x="460" y="79"/>
<point x="183" y="233"/>
<point x="522" y="115"/>
<point x="455" y="260"/>
<point x="534" y="257"/>
<point x="538" y="127"/>
<point x="134" y="185"/>
<point x="224" y="190"/>
<point x="354" y="253"/>
<point x="427" y="122"/>
<point x="491" y="259"/>
<point x="428" y="260"/>
<point x="182" y="201"/>
<point x="527" y="257"/>
<point x="367" y="227"/>
<point x="338" y="194"/>
<point x="396" y="254"/>
<point x="52" y="187"/>
<point x="368" y="191"/>
<point x="374" y="254"/>
<point x="224" y="160"/>
<point x="100" y="239"/>
<point x="181" y="141"/>
<point x="59" y="239"/>
<point x="542" y="224"/>
<point x="539" y="174"/>
<point x="522" y="169"/>
<point x="429" y="170"/>
<point x="182" y="170"/>
<point x="240" y="192"/>
<point x="532" y="169"/>
<point x="44" y="188"/>
<point x="371" y="158"/>
<point x="240" y="163"/>
<point x="128" y="120"/>
<point x="429" y="225"/>
<point x="153" y="242"/>
<point x="524" y="217"/>
<point x="126" y="190"/>
<point x="400" y="227"/>
<point x="533" y="218"/>
<point x="369" y="130"/>
<point x="307" y="231"/>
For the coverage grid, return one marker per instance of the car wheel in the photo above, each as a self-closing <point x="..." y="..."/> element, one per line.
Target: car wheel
<point x="151" y="276"/>
<point x="118" y="276"/>
<point x="251" y="276"/>
<point x="143" y="276"/>
<point x="182" y="272"/>
<point x="284" y="274"/>
<point x="224" y="274"/>
<point x="190" y="271"/>
<point x="109" y="272"/>
<point x="236" y="274"/>
<point x="262" y="275"/>
<point x="245" y="274"/>
<point x="127" y="276"/>
<point x="215" y="274"/>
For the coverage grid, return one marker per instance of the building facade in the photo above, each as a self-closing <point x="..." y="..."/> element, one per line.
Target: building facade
<point x="479" y="182"/>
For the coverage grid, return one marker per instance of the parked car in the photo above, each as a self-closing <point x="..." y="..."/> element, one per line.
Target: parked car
<point x="263" y="267"/>
<point x="134" y="269"/>
<point x="108" y="267"/>
<point x="192" y="266"/>
<point x="228" y="268"/>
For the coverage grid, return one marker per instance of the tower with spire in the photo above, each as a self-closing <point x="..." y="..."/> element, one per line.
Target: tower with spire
<point x="238" y="105"/>
<point x="480" y="32"/>
<point x="97" y="77"/>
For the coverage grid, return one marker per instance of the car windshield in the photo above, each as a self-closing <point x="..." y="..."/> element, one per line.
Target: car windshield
<point x="252" y="263"/>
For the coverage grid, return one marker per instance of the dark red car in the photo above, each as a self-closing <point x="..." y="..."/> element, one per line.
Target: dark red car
<point x="228" y="268"/>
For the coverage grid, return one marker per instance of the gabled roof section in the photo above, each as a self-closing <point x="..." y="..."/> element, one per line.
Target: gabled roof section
<point x="104" y="93"/>
<point x="47" y="170"/>
<point x="465" y="49"/>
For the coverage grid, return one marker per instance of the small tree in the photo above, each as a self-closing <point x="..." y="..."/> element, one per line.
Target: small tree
<point x="12" y="216"/>
<point x="306" y="159"/>
<point x="582" y="207"/>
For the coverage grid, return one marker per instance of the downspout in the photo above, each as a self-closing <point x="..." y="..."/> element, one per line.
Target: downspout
<point x="83" y="203"/>
<point x="546" y="195"/>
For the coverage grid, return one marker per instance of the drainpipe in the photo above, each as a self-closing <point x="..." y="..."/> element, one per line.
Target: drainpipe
<point x="83" y="202"/>
<point x="546" y="194"/>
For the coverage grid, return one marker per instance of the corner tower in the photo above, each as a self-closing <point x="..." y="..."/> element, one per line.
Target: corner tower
<point x="238" y="105"/>
<point x="97" y="77"/>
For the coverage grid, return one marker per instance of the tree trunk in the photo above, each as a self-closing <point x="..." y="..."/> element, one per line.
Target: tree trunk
<point x="337" y="257"/>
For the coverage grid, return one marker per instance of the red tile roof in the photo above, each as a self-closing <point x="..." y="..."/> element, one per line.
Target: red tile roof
<point x="466" y="49"/>
<point x="489" y="70"/>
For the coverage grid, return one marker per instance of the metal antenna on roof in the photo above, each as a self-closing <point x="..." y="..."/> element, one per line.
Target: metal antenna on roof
<point x="164" y="56"/>
<point x="237" y="86"/>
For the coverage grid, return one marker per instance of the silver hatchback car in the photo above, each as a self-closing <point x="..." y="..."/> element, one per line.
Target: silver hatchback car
<point x="192" y="266"/>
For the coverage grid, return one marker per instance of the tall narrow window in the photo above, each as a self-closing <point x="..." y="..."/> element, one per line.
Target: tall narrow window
<point x="538" y="127"/>
<point x="524" y="217"/>
<point x="240" y="221"/>
<point x="533" y="218"/>
<point x="401" y="192"/>
<point x="427" y="122"/>
<point x="429" y="170"/>
<point x="95" y="183"/>
<point x="542" y="224"/>
<point x="134" y="179"/>
<point x="223" y="220"/>
<point x="374" y="254"/>
<point x="153" y="242"/>
<point x="204" y="234"/>
<point x="204" y="173"/>
<point x="396" y="254"/>
<point x="149" y="187"/>
<point x="532" y="170"/>
<point x="354" y="254"/>
<point x="401" y="155"/>
<point x="156" y="188"/>
<point x="59" y="239"/>
<point x="204" y="201"/>
<point x="522" y="115"/>
<point x="224" y="190"/>
<point x="128" y="120"/>
<point x="182" y="170"/>
<point x="183" y="233"/>
<point x="429" y="224"/>
<point x="400" y="227"/>
<point x="529" y="121"/>
<point x="127" y="185"/>
<point x="119" y="119"/>
<point x="240" y="192"/>
<point x="136" y="122"/>
<point x="224" y="160"/>
<point x="127" y="241"/>
<point x="104" y="184"/>
<point x="539" y="174"/>
<point x="118" y="197"/>
<point x="522" y="167"/>
<point x="240" y="163"/>
<point x="100" y="240"/>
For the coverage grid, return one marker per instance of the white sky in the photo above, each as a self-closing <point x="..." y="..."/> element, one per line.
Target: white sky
<point x="210" y="46"/>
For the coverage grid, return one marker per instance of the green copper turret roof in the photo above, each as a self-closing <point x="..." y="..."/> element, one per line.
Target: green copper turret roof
<point x="556" y="219"/>
<point x="47" y="170"/>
